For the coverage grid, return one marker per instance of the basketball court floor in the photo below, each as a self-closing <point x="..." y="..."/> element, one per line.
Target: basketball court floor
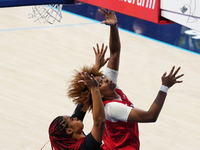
<point x="37" y="61"/>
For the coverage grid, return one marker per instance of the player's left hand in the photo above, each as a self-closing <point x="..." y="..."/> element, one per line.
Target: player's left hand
<point x="171" y="79"/>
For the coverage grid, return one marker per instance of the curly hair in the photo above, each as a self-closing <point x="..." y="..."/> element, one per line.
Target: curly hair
<point x="78" y="91"/>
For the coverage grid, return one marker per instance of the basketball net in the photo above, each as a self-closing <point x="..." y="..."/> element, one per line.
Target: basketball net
<point x="46" y="13"/>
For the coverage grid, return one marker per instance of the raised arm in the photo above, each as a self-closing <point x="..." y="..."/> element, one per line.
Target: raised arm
<point x="98" y="108"/>
<point x="100" y="61"/>
<point x="78" y="112"/>
<point x="114" y="42"/>
<point x="137" y="115"/>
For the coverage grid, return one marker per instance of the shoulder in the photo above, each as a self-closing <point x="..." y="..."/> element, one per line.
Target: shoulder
<point x="115" y="105"/>
<point x="90" y="143"/>
<point x="117" y="111"/>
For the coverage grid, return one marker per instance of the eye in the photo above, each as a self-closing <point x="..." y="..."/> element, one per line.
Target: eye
<point x="100" y="82"/>
<point x="102" y="77"/>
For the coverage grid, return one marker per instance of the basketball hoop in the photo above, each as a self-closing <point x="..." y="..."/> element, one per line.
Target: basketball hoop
<point x="46" y="13"/>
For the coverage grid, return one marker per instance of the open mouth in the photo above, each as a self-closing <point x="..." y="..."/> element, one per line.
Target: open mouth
<point x="111" y="82"/>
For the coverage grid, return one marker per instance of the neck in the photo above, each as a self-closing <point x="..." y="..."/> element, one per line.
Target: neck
<point x="112" y="96"/>
<point x="78" y="136"/>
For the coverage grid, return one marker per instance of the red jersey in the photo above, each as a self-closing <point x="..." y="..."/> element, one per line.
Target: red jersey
<point x="121" y="135"/>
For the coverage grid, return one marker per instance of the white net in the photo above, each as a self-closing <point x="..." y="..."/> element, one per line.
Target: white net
<point x="46" y="13"/>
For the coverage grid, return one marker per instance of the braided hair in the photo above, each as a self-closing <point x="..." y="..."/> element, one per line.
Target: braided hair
<point x="59" y="138"/>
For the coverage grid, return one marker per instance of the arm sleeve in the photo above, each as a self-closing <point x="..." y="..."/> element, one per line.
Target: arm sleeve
<point x="112" y="75"/>
<point x="78" y="112"/>
<point x="117" y="111"/>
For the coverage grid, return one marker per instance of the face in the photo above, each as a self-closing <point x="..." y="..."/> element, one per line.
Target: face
<point x="74" y="124"/>
<point x="106" y="86"/>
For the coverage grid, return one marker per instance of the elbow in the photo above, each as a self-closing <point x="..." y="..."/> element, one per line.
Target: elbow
<point x="100" y="122"/>
<point x="152" y="118"/>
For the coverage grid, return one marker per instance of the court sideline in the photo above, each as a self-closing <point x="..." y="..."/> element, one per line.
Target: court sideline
<point x="36" y="61"/>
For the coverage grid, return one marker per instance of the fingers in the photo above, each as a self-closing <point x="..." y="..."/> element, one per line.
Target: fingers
<point x="103" y="22"/>
<point x="92" y="77"/>
<point x="106" y="60"/>
<point x="86" y="77"/>
<point x="179" y="76"/>
<point x="105" y="50"/>
<point x="102" y="51"/>
<point x="175" y="79"/>
<point x="81" y="81"/>
<point x="171" y="72"/>
<point x="102" y="48"/>
<point x="101" y="11"/>
<point x="88" y="80"/>
<point x="98" y="48"/>
<point x="164" y="74"/>
<point x="178" y="81"/>
<point x="177" y="71"/>
<point x="104" y="10"/>
<point x="95" y="51"/>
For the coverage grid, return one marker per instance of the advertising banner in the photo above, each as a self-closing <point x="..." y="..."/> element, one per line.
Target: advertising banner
<point x="144" y="9"/>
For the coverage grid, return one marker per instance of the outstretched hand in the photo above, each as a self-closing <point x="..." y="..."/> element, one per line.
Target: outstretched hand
<point x="100" y="60"/>
<point x="110" y="17"/>
<point x="88" y="80"/>
<point x="171" y="79"/>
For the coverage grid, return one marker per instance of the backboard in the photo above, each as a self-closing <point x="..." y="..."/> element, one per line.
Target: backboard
<point x="14" y="3"/>
<point x="184" y="12"/>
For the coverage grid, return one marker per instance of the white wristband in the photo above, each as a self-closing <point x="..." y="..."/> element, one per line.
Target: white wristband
<point x="164" y="88"/>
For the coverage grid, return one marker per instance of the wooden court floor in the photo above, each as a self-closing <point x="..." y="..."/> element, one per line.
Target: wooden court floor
<point x="37" y="61"/>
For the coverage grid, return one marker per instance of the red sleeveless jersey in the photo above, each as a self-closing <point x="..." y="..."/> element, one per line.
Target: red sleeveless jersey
<point x="121" y="135"/>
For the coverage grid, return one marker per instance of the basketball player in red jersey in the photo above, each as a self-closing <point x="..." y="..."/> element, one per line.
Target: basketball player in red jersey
<point x="121" y="131"/>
